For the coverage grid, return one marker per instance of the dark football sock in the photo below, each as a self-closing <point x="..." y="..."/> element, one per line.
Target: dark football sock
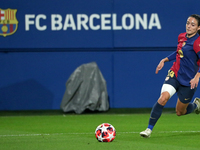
<point x="155" y="115"/>
<point x="191" y="107"/>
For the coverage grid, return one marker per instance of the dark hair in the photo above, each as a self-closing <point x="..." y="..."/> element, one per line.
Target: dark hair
<point x="197" y="17"/>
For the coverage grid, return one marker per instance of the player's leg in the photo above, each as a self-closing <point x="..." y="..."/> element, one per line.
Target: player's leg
<point x="155" y="114"/>
<point x="183" y="106"/>
<point x="184" y="109"/>
<point x="166" y="92"/>
<point x="158" y="108"/>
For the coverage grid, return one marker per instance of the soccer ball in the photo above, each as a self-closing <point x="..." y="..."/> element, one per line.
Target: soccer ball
<point x="105" y="132"/>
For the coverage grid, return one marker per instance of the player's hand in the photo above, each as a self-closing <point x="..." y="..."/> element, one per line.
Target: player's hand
<point x="194" y="82"/>
<point x="160" y="66"/>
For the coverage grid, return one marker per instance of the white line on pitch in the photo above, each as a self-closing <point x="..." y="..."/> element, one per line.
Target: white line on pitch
<point x="48" y="134"/>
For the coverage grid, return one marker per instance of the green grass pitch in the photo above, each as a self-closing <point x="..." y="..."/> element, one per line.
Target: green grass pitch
<point x="76" y="132"/>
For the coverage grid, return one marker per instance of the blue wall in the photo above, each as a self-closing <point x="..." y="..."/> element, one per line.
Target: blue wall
<point x="127" y="39"/>
<point x="36" y="80"/>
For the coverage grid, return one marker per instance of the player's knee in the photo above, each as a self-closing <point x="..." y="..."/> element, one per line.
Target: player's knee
<point x="163" y="99"/>
<point x="180" y="113"/>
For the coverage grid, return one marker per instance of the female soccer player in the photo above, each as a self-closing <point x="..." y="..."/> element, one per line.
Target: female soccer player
<point x="183" y="77"/>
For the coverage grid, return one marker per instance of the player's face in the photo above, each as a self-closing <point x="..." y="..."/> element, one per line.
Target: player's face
<point x="192" y="26"/>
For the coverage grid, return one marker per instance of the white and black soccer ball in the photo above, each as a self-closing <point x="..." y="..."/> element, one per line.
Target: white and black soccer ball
<point x="105" y="132"/>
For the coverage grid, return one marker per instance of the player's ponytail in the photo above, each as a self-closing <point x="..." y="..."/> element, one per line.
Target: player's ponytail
<point x="197" y="17"/>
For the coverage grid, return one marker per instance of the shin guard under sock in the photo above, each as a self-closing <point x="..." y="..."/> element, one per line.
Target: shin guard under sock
<point x="155" y="115"/>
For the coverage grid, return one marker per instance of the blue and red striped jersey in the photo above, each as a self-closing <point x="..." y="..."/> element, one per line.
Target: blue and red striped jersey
<point x="187" y="58"/>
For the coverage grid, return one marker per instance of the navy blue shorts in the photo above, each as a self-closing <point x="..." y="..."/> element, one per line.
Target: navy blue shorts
<point x="185" y="93"/>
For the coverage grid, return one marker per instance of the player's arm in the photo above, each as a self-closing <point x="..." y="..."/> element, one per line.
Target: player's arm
<point x="195" y="81"/>
<point x="171" y="57"/>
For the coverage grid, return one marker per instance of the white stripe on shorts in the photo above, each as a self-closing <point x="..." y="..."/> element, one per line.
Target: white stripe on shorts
<point x="169" y="88"/>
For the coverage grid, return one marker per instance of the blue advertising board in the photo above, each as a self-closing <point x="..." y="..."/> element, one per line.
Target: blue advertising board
<point x="43" y="41"/>
<point x="93" y="24"/>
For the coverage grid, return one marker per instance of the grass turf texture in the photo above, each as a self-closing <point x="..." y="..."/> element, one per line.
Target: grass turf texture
<point x="57" y="131"/>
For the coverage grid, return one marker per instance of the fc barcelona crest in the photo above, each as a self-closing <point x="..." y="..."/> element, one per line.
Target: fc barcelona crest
<point x="8" y="22"/>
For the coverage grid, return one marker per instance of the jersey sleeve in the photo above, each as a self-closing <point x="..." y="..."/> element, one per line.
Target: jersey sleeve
<point x="172" y="56"/>
<point x="196" y="46"/>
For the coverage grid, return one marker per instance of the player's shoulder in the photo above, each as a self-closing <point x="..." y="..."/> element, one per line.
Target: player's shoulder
<point x="182" y="37"/>
<point x="196" y="44"/>
<point x="198" y="40"/>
